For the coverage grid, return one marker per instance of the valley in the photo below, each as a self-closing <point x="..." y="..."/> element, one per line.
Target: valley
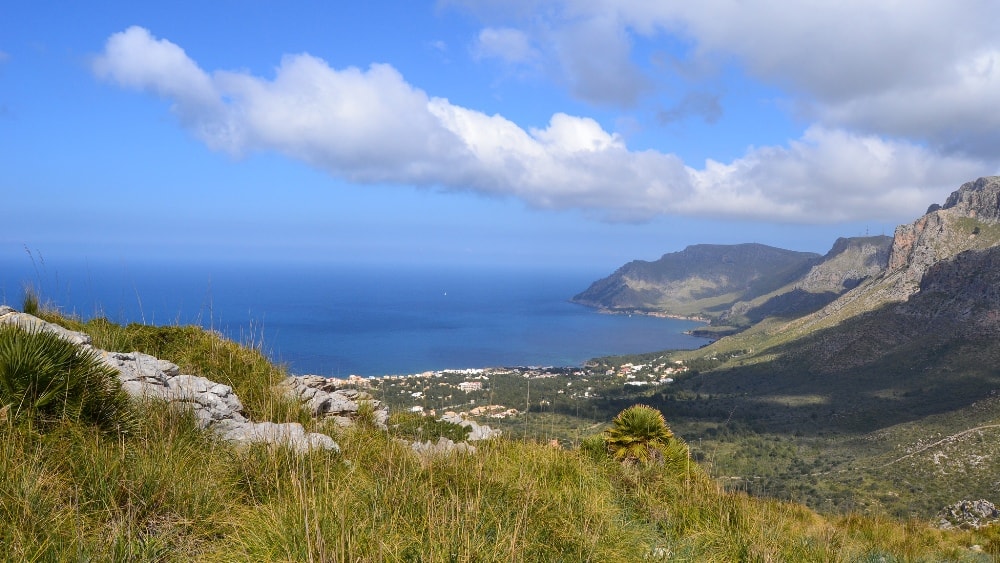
<point x="869" y="382"/>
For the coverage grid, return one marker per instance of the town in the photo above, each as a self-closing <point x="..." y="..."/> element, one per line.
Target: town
<point x="501" y="396"/>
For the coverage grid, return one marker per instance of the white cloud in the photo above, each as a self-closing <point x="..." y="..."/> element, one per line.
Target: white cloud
<point x="924" y="70"/>
<point x="506" y="44"/>
<point x="4" y="57"/>
<point x="829" y="175"/>
<point x="371" y="126"/>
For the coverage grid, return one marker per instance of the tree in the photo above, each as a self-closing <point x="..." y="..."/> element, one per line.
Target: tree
<point x="638" y="433"/>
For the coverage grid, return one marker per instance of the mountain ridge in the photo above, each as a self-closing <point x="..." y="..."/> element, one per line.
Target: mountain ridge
<point x="697" y="280"/>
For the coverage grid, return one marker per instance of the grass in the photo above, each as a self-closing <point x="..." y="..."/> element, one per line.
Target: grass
<point x="171" y="492"/>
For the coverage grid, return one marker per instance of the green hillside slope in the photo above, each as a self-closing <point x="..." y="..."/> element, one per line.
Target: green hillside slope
<point x="699" y="280"/>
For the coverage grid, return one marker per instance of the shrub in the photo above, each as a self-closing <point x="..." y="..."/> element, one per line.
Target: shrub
<point x="45" y="378"/>
<point x="638" y="433"/>
<point x="415" y="426"/>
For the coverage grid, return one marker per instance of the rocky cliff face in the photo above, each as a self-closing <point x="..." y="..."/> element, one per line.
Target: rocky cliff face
<point x="979" y="199"/>
<point x="942" y="233"/>
<point x="849" y="262"/>
<point x="961" y="293"/>
<point x="969" y="220"/>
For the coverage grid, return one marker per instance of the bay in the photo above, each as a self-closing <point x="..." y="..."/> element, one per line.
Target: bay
<point x="337" y="320"/>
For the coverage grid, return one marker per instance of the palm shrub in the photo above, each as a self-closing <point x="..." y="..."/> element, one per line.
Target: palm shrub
<point x="44" y="378"/>
<point x="638" y="434"/>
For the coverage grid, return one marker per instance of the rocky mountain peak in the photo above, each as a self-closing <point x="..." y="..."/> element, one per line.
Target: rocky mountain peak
<point x="969" y="220"/>
<point x="940" y="233"/>
<point x="979" y="199"/>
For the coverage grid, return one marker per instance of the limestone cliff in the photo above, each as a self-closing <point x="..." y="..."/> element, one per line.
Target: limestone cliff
<point x="967" y="221"/>
<point x="944" y="232"/>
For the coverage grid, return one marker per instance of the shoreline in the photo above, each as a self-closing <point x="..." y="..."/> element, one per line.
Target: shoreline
<point x="657" y="314"/>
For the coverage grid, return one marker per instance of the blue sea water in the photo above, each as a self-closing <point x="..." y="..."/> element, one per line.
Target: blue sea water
<point x="366" y="320"/>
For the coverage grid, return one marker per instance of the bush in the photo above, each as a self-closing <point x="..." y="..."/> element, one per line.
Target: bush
<point x="414" y="426"/>
<point x="44" y="378"/>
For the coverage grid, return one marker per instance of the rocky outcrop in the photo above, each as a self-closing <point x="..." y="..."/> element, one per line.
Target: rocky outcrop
<point x="31" y="322"/>
<point x="443" y="446"/>
<point x="941" y="234"/>
<point x="979" y="199"/>
<point x="477" y="431"/>
<point x="937" y="235"/>
<point x="968" y="515"/>
<point x="214" y="405"/>
<point x="848" y="263"/>
<point x="144" y="376"/>
<point x="290" y="433"/>
<point x="325" y="399"/>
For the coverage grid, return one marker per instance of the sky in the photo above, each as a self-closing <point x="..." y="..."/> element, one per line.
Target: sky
<point x="515" y="132"/>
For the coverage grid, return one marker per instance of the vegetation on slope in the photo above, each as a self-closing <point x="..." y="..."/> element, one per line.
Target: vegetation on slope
<point x="170" y="491"/>
<point x="702" y="279"/>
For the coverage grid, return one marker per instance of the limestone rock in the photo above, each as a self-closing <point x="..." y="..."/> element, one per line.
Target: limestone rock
<point x="325" y="400"/>
<point x="478" y="431"/>
<point x="144" y="376"/>
<point x="290" y="434"/>
<point x="443" y="446"/>
<point x="979" y="199"/>
<point x="850" y="261"/>
<point x="31" y="322"/>
<point x="968" y="514"/>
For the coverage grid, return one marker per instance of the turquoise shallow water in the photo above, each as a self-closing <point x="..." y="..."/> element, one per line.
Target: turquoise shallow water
<point x="339" y="320"/>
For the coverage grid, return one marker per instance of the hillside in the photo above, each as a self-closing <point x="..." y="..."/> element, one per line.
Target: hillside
<point x="850" y="262"/>
<point x="700" y="280"/>
<point x="908" y="354"/>
<point x="164" y="488"/>
<point x="965" y="223"/>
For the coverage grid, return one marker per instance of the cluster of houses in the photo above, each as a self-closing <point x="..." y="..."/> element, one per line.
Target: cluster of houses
<point x="351" y="381"/>
<point x="656" y="374"/>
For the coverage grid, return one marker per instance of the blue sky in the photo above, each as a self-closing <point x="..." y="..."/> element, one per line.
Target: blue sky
<point x="461" y="132"/>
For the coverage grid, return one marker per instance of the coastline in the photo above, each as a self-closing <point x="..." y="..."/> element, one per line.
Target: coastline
<point x="657" y="314"/>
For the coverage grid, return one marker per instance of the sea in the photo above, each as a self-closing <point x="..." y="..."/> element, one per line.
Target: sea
<point x="337" y="320"/>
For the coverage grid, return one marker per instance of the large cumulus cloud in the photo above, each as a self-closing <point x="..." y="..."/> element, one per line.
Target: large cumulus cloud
<point x="372" y="126"/>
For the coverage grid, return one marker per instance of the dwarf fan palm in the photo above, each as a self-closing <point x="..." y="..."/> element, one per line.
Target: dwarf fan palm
<point x="45" y="378"/>
<point x="637" y="434"/>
